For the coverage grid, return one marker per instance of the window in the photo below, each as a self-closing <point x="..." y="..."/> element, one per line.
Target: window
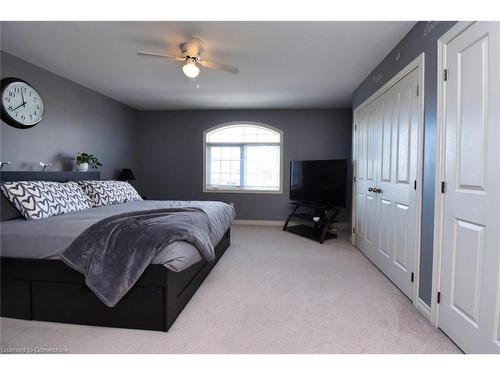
<point x="243" y="157"/>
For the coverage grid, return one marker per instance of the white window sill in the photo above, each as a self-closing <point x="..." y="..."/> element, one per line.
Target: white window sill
<point x="241" y="191"/>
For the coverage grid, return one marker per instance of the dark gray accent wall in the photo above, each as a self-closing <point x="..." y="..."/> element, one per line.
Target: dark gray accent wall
<point x="421" y="38"/>
<point x="171" y="157"/>
<point x="76" y="119"/>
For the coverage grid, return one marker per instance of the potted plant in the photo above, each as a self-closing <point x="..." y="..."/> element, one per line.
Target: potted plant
<point x="85" y="160"/>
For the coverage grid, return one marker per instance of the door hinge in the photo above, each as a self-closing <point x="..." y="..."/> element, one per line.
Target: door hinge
<point x="445" y="75"/>
<point x="412" y="276"/>
<point x="355" y="127"/>
<point x="439" y="297"/>
<point x="415" y="185"/>
<point x="354" y="178"/>
<point x="443" y="187"/>
<point x="418" y="90"/>
<point x="353" y="230"/>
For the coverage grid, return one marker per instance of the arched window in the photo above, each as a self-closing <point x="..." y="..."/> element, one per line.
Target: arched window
<point x="243" y="157"/>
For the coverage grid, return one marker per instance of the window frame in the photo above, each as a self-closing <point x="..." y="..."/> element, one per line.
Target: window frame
<point x="241" y="190"/>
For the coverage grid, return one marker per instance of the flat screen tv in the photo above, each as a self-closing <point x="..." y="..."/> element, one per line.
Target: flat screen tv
<point x="319" y="182"/>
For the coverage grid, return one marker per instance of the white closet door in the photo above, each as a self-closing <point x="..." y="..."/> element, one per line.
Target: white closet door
<point x="387" y="147"/>
<point x="397" y="171"/>
<point x="366" y="159"/>
<point x="469" y="311"/>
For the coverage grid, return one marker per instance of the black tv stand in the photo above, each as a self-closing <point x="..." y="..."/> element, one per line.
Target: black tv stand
<point x="320" y="229"/>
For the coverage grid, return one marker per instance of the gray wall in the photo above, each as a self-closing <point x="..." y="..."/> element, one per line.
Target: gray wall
<point x="171" y="157"/>
<point x="421" y="38"/>
<point x="76" y="119"/>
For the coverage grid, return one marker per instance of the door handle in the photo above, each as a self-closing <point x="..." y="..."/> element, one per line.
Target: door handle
<point x="370" y="189"/>
<point x="377" y="190"/>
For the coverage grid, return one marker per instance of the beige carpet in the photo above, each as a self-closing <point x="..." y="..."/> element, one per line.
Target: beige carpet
<point x="272" y="292"/>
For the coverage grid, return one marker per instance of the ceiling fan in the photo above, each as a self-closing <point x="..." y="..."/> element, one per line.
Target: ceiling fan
<point x="191" y="55"/>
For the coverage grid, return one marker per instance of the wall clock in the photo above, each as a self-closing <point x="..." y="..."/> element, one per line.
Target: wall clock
<point x="22" y="106"/>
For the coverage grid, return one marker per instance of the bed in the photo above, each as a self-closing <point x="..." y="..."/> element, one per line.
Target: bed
<point x="37" y="285"/>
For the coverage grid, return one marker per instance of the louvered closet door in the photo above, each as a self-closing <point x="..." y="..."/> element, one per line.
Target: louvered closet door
<point x="469" y="311"/>
<point x="387" y="141"/>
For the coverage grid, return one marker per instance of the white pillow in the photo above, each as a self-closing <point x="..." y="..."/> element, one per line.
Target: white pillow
<point x="40" y="199"/>
<point x="105" y="193"/>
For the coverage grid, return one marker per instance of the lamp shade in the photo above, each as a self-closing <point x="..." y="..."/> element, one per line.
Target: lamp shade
<point x="190" y="69"/>
<point x="126" y="175"/>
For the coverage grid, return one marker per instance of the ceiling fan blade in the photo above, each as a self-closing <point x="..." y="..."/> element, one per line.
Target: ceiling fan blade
<point x="218" y="66"/>
<point x="142" y="53"/>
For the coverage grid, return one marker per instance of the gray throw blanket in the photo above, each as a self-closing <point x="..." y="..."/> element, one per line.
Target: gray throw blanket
<point x="114" y="252"/>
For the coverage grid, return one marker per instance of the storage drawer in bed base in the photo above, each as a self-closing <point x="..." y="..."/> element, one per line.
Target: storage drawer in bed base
<point x="49" y="290"/>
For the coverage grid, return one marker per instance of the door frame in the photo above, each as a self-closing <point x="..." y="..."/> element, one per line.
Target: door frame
<point x="442" y="42"/>
<point x="417" y="63"/>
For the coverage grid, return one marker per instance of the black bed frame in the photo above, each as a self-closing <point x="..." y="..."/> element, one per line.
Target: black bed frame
<point x="49" y="290"/>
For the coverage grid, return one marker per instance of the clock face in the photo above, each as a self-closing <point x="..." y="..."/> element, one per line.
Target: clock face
<point x="22" y="105"/>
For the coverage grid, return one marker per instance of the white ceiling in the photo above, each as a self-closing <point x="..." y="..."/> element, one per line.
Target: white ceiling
<point x="282" y="64"/>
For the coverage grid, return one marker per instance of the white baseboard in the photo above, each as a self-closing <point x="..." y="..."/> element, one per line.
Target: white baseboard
<point x="280" y="223"/>
<point x="424" y="309"/>
<point x="267" y="223"/>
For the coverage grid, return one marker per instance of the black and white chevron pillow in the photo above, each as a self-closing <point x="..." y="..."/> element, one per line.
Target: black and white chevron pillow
<point x="105" y="193"/>
<point x="41" y="199"/>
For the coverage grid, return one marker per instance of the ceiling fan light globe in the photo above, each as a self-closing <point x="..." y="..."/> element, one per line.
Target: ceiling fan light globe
<point x="190" y="69"/>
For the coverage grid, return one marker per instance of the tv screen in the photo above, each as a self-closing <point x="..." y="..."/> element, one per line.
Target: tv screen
<point x="319" y="182"/>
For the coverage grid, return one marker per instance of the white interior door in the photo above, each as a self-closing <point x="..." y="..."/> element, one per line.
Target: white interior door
<point x="366" y="179"/>
<point x="387" y="164"/>
<point x="469" y="311"/>
<point x="398" y="168"/>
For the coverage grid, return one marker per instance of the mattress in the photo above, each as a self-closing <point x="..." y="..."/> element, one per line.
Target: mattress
<point x="48" y="238"/>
